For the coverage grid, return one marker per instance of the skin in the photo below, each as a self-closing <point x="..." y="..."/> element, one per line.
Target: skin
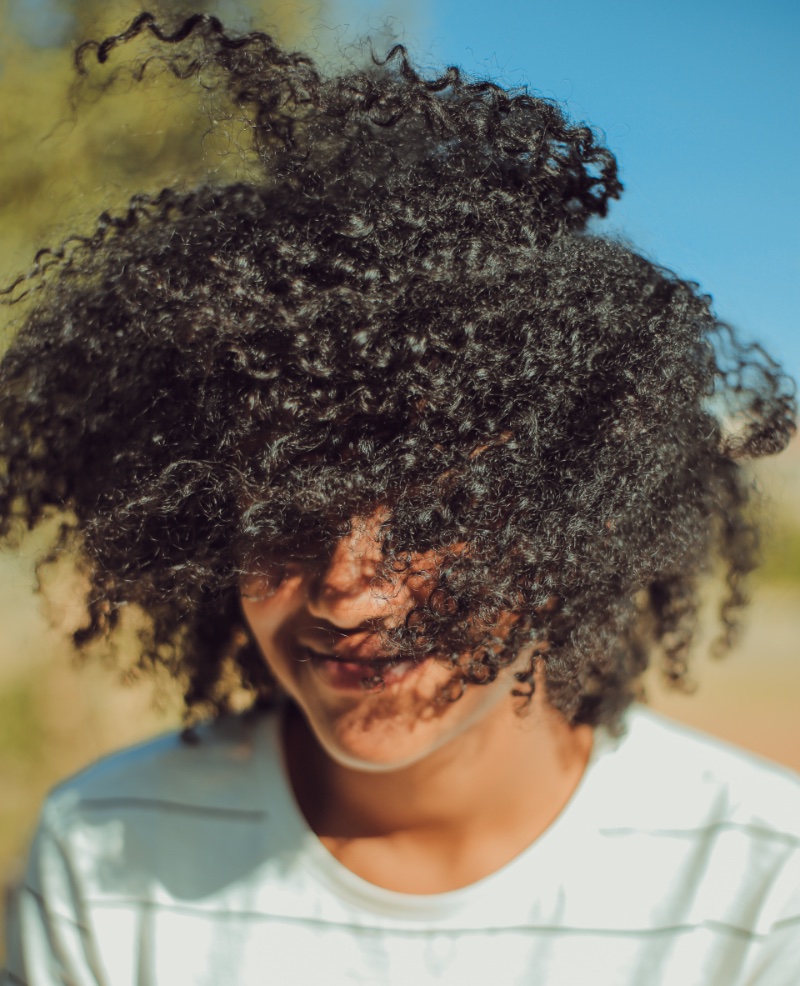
<point x="412" y="794"/>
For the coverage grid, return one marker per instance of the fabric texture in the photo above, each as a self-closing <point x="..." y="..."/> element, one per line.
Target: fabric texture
<point x="677" y="861"/>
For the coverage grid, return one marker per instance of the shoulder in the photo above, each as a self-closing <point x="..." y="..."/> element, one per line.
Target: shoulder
<point x="684" y="777"/>
<point x="155" y="837"/>
<point x="215" y="772"/>
<point x="713" y="831"/>
<point x="168" y="814"/>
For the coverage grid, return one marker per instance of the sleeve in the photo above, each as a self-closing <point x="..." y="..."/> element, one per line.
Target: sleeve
<point x="48" y="942"/>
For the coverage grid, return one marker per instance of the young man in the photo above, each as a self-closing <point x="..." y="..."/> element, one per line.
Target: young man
<point x="384" y="436"/>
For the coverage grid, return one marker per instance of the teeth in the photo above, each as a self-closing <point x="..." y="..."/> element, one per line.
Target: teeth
<point x="400" y="668"/>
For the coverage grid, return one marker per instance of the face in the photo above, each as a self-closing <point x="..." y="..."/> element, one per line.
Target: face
<point x="316" y="629"/>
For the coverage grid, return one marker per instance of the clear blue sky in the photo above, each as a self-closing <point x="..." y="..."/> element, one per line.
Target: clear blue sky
<point x="699" y="99"/>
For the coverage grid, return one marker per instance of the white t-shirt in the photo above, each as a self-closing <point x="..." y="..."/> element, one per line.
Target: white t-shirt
<point x="677" y="861"/>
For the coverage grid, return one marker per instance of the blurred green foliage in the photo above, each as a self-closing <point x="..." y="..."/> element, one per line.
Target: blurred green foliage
<point x="23" y="750"/>
<point x="71" y="149"/>
<point x="19" y="726"/>
<point x="781" y="564"/>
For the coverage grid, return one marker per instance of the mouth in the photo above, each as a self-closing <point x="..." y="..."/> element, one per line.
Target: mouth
<point x="371" y="675"/>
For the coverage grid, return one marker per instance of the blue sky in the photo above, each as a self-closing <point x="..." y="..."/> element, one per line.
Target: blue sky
<point x="699" y="99"/>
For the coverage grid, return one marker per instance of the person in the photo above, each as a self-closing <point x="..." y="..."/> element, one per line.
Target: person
<point x="409" y="474"/>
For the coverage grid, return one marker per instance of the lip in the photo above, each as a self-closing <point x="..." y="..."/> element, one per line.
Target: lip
<point x="358" y="648"/>
<point x="346" y="673"/>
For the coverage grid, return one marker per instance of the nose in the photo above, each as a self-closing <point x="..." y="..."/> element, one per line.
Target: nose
<point x="347" y="591"/>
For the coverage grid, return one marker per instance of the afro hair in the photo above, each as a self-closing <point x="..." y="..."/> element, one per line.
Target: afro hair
<point x="402" y="306"/>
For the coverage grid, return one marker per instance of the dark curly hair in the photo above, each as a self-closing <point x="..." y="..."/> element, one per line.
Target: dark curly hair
<point x="402" y="308"/>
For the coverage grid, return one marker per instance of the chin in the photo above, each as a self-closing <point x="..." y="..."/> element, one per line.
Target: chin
<point x="373" y="743"/>
<point x="383" y="735"/>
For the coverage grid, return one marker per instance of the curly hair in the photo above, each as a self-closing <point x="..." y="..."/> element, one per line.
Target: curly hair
<point x="402" y="307"/>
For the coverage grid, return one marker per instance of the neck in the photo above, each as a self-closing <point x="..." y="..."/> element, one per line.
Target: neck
<point x="481" y="798"/>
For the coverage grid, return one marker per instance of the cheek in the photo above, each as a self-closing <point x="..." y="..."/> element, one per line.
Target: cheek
<point x="268" y="612"/>
<point x="262" y="631"/>
<point x="266" y="584"/>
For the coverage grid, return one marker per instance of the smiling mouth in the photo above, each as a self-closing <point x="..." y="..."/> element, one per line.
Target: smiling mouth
<point x="363" y="675"/>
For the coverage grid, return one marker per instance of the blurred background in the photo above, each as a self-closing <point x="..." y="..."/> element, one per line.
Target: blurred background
<point x="698" y="99"/>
